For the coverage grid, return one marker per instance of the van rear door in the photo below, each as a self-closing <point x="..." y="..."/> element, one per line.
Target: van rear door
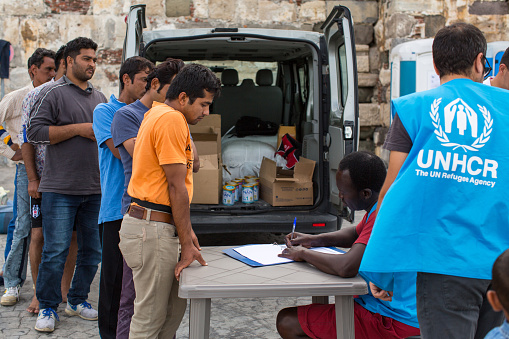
<point x="135" y="24"/>
<point x="343" y="114"/>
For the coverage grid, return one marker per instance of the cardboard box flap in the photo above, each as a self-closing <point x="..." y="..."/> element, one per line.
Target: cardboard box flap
<point x="213" y="120"/>
<point x="206" y="140"/>
<point x="268" y="169"/>
<point x="304" y="169"/>
<point x="209" y="161"/>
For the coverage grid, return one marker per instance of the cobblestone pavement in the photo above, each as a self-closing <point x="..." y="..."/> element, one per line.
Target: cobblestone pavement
<point x="230" y="318"/>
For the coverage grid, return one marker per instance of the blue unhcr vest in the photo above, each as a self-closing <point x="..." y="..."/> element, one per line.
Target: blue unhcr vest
<point x="447" y="210"/>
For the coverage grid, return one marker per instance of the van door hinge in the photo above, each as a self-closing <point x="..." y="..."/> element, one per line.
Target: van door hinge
<point x="327" y="140"/>
<point x="325" y="156"/>
<point x="325" y="69"/>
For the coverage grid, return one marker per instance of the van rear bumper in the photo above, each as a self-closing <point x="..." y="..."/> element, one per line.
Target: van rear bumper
<point x="308" y="222"/>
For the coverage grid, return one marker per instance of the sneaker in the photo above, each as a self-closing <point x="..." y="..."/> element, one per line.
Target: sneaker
<point x="46" y="320"/>
<point x="11" y="296"/>
<point x="83" y="310"/>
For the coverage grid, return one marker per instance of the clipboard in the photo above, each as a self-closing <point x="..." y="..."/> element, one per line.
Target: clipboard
<point x="235" y="255"/>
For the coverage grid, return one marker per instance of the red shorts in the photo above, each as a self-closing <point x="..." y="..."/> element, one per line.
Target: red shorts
<point x="319" y="322"/>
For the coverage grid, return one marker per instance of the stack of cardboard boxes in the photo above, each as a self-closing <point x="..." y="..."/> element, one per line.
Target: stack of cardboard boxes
<point x="207" y="183"/>
<point x="278" y="187"/>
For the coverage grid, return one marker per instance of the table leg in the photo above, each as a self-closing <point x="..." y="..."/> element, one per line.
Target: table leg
<point x="344" y="317"/>
<point x="199" y="319"/>
<point x="320" y="300"/>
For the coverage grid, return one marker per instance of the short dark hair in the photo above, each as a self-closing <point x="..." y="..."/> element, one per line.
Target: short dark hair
<point x="455" y="48"/>
<point x="500" y="279"/>
<point x="37" y="58"/>
<point x="366" y="170"/>
<point x="164" y="72"/>
<point x="74" y="47"/>
<point x="133" y="66"/>
<point x="59" y="56"/>
<point x="505" y="58"/>
<point x="193" y="80"/>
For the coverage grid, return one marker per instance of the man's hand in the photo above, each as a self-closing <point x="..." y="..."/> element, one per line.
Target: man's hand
<point x="195" y="240"/>
<point x="17" y="156"/>
<point x="85" y="130"/>
<point x="33" y="186"/>
<point x="294" y="253"/>
<point x="379" y="293"/>
<point x="187" y="256"/>
<point x="301" y="239"/>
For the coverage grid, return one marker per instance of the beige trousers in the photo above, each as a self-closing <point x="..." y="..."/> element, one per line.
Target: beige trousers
<point x="151" y="250"/>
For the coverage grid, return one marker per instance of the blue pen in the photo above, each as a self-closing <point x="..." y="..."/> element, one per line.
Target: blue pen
<point x="293" y="228"/>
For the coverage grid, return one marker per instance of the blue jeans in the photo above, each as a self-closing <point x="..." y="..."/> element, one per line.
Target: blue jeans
<point x="60" y="212"/>
<point x="15" y="272"/>
<point x="10" y="228"/>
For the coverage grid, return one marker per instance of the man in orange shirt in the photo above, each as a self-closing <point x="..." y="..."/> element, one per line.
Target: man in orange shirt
<point x="161" y="189"/>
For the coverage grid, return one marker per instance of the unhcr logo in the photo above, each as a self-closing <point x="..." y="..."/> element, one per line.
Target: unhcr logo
<point x="460" y="119"/>
<point x="461" y="123"/>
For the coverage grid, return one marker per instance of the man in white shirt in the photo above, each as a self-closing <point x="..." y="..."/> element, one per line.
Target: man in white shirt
<point x="41" y="68"/>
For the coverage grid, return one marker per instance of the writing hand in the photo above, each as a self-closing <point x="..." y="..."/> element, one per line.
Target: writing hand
<point x="301" y="239"/>
<point x="187" y="256"/>
<point x="380" y="293"/>
<point x="293" y="253"/>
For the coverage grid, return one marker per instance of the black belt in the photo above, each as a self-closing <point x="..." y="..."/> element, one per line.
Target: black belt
<point x="152" y="206"/>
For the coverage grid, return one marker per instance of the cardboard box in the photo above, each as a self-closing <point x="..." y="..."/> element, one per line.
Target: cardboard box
<point x="283" y="130"/>
<point x="207" y="183"/>
<point x="281" y="187"/>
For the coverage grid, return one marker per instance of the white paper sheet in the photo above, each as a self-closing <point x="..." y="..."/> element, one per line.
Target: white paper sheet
<point x="267" y="254"/>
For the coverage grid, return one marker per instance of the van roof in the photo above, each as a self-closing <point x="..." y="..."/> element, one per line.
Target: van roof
<point x="248" y="44"/>
<point x="192" y="32"/>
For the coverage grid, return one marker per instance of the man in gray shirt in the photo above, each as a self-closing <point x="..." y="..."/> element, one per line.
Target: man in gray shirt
<point x="70" y="186"/>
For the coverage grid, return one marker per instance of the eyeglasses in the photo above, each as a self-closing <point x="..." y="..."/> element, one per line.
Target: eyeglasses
<point x="487" y="67"/>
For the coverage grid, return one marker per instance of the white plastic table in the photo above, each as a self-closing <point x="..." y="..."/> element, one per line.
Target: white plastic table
<point x="225" y="277"/>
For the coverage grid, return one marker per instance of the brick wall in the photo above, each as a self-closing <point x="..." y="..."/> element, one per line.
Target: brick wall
<point x="379" y="25"/>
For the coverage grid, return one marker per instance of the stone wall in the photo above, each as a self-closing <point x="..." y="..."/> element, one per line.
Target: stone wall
<point x="379" y="25"/>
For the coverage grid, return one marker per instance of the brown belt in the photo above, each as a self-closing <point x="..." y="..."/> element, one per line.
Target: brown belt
<point x="139" y="212"/>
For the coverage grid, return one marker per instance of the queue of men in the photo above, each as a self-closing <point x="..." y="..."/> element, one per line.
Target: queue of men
<point x="72" y="147"/>
<point x="423" y="246"/>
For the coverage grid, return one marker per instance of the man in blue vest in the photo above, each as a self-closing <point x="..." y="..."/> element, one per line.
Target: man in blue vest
<point x="443" y="211"/>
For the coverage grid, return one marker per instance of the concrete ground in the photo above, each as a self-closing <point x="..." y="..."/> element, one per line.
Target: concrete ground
<point x="230" y="318"/>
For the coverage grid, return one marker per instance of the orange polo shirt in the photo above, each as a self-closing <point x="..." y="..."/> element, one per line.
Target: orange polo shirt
<point x="163" y="139"/>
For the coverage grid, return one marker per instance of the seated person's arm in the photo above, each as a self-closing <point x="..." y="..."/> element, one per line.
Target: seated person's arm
<point x="345" y="265"/>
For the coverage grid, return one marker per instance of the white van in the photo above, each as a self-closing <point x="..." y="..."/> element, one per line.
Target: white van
<point x="286" y="77"/>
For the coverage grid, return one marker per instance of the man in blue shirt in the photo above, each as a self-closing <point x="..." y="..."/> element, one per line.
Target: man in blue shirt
<point x="442" y="209"/>
<point x="124" y="130"/>
<point x="133" y="78"/>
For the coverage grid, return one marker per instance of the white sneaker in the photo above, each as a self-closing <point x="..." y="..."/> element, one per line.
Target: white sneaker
<point x="46" y="320"/>
<point x="83" y="310"/>
<point x="11" y="296"/>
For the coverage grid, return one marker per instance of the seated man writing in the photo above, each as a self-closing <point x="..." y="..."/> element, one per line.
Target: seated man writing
<point x="359" y="179"/>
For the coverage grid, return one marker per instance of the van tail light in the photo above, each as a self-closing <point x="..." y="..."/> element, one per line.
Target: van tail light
<point x="319" y="224"/>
